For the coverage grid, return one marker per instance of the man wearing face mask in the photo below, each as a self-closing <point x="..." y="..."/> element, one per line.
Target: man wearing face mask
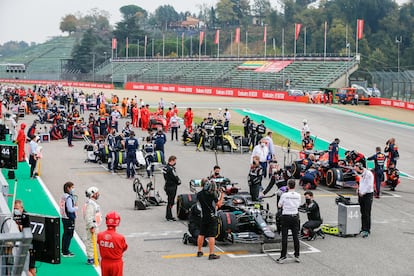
<point x="365" y="193"/>
<point x="171" y="184"/>
<point x="216" y="172"/>
<point x="311" y="208"/>
<point x="262" y="151"/>
<point x="68" y="210"/>
<point x="93" y="218"/>
<point x="22" y="220"/>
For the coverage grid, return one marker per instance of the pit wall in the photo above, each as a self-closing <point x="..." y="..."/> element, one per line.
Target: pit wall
<point x="200" y="90"/>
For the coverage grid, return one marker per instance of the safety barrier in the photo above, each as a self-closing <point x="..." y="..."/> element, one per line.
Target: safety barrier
<point x="64" y="83"/>
<point x="392" y="103"/>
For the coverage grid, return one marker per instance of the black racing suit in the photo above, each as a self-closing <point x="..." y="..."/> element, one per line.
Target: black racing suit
<point x="218" y="135"/>
<point x="314" y="216"/>
<point x="171" y="184"/>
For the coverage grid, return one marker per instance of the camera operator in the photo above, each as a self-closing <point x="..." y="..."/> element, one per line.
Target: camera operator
<point x="392" y="150"/>
<point x="310" y="207"/>
<point x="209" y="201"/>
<point x="22" y="220"/>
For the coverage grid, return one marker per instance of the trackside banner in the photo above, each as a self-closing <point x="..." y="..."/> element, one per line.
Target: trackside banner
<point x="391" y="103"/>
<point x="213" y="91"/>
<point x="63" y="83"/>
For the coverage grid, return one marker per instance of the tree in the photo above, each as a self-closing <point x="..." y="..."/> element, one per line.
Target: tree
<point x="261" y="9"/>
<point x="69" y="24"/>
<point x="225" y="12"/>
<point x="164" y="15"/>
<point x="83" y="53"/>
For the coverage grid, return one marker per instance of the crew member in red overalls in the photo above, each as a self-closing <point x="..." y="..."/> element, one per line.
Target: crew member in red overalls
<point x="112" y="246"/>
<point x="135" y="115"/>
<point x="188" y="120"/>
<point x="20" y="141"/>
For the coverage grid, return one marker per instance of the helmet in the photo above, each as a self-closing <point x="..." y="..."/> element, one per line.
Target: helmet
<point x="305" y="121"/>
<point x="113" y="219"/>
<point x="91" y="191"/>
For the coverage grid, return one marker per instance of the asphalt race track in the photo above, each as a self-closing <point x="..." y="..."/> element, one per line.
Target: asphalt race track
<point x="155" y="246"/>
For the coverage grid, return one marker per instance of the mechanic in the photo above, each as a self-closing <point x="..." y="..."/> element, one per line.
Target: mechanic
<point x="309" y="180"/>
<point x="308" y="162"/>
<point x="260" y="131"/>
<point x="365" y="196"/>
<point x="111" y="143"/>
<point x="188" y="119"/>
<point x="305" y="128"/>
<point x="278" y="177"/>
<point x="352" y="157"/>
<point x="127" y="129"/>
<point x="69" y="131"/>
<point x="103" y="124"/>
<point x="68" y="208"/>
<point x="393" y="176"/>
<point x="194" y="223"/>
<point x="379" y="161"/>
<point x="310" y="207"/>
<point x="149" y="150"/>
<point x="21" y="141"/>
<point x="333" y="152"/>
<point x="22" y="220"/>
<point x="218" y="134"/>
<point x="216" y="172"/>
<point x="131" y="145"/>
<point x="255" y="178"/>
<point x="392" y="149"/>
<point x="201" y="137"/>
<point x="290" y="202"/>
<point x="159" y="140"/>
<point x="31" y="132"/>
<point x="246" y="124"/>
<point x="209" y="201"/>
<point x="112" y="246"/>
<point x="307" y="142"/>
<point x="172" y="181"/>
<point x="262" y="151"/>
<point x="33" y="155"/>
<point x="92" y="216"/>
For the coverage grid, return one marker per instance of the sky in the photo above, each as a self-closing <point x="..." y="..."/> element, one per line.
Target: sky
<point x="38" y="20"/>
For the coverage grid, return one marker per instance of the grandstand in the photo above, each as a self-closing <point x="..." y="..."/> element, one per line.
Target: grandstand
<point x="272" y="74"/>
<point x="43" y="61"/>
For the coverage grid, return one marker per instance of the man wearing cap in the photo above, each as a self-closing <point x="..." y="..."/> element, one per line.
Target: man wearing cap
<point x="112" y="246"/>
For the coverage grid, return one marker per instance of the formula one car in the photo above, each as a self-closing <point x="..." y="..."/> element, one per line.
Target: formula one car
<point x="341" y="176"/>
<point x="157" y="121"/>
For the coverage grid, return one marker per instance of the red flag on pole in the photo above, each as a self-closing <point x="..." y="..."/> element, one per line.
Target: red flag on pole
<point x="360" y="28"/>
<point x="113" y="43"/>
<point x="217" y="38"/>
<point x="201" y="37"/>
<point x="237" y="36"/>
<point x="265" y="33"/>
<point x="297" y="30"/>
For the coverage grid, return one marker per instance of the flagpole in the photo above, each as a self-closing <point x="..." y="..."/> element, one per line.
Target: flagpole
<point x="294" y="44"/>
<point x="231" y="43"/>
<point x="283" y="57"/>
<point x="163" y="46"/>
<point x="145" y="47"/>
<point x="274" y="47"/>
<point x="356" y="40"/>
<point x="246" y="43"/>
<point x="205" y="44"/>
<point x="265" y="41"/>
<point x="304" y="42"/>
<point x="138" y="49"/>
<point x="324" y="43"/>
<point x="176" y="51"/>
<point x="126" y="50"/>
<point x="182" y="46"/>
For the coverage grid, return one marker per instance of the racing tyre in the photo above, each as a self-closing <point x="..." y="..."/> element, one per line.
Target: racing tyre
<point x="184" y="203"/>
<point x="227" y="223"/>
<point x="332" y="176"/>
<point x="296" y="168"/>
